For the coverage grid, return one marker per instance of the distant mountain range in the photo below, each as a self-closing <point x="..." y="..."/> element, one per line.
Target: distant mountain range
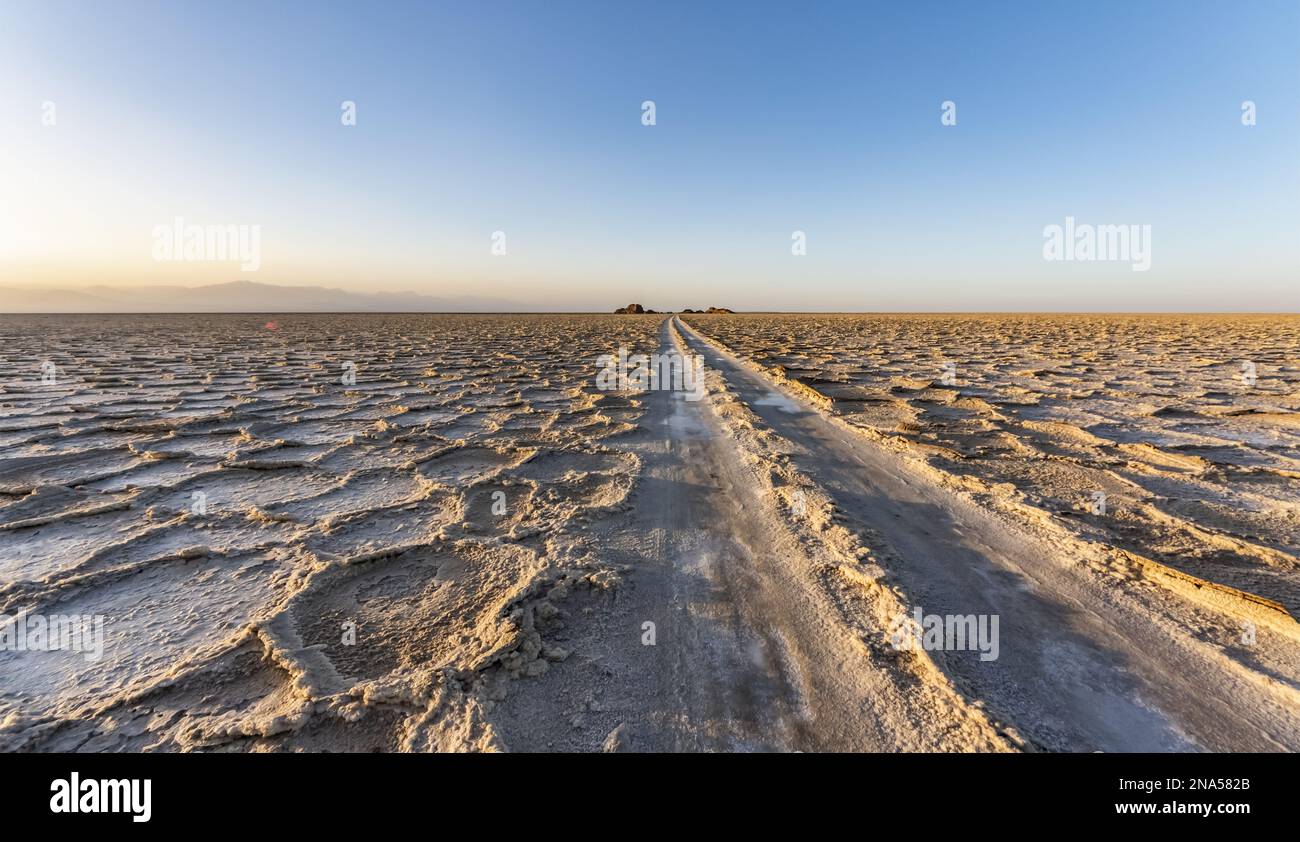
<point x="237" y="297"/>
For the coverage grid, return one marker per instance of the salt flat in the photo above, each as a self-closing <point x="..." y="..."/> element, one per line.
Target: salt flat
<point x="414" y="532"/>
<point x="1188" y="425"/>
<point x="234" y="493"/>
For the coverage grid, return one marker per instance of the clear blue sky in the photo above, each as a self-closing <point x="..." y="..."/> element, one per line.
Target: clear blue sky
<point x="525" y="117"/>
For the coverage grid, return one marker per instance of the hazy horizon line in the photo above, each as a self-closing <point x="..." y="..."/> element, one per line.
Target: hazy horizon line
<point x="656" y="313"/>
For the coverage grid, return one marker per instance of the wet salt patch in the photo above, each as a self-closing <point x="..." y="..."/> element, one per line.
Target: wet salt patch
<point x="778" y="400"/>
<point x="153" y="620"/>
<point x="683" y="425"/>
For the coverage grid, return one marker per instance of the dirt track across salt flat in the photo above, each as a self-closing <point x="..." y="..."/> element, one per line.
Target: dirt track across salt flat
<point x="1079" y="668"/>
<point x="749" y="652"/>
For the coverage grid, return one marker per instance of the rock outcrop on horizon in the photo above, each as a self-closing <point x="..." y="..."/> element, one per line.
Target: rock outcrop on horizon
<point x="638" y="309"/>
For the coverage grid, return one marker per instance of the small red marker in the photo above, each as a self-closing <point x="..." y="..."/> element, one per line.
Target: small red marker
<point x="272" y="326"/>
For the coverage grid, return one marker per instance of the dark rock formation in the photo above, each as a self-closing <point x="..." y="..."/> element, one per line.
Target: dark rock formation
<point x="638" y="309"/>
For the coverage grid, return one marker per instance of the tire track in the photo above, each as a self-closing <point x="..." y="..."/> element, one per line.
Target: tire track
<point x="1080" y="668"/>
